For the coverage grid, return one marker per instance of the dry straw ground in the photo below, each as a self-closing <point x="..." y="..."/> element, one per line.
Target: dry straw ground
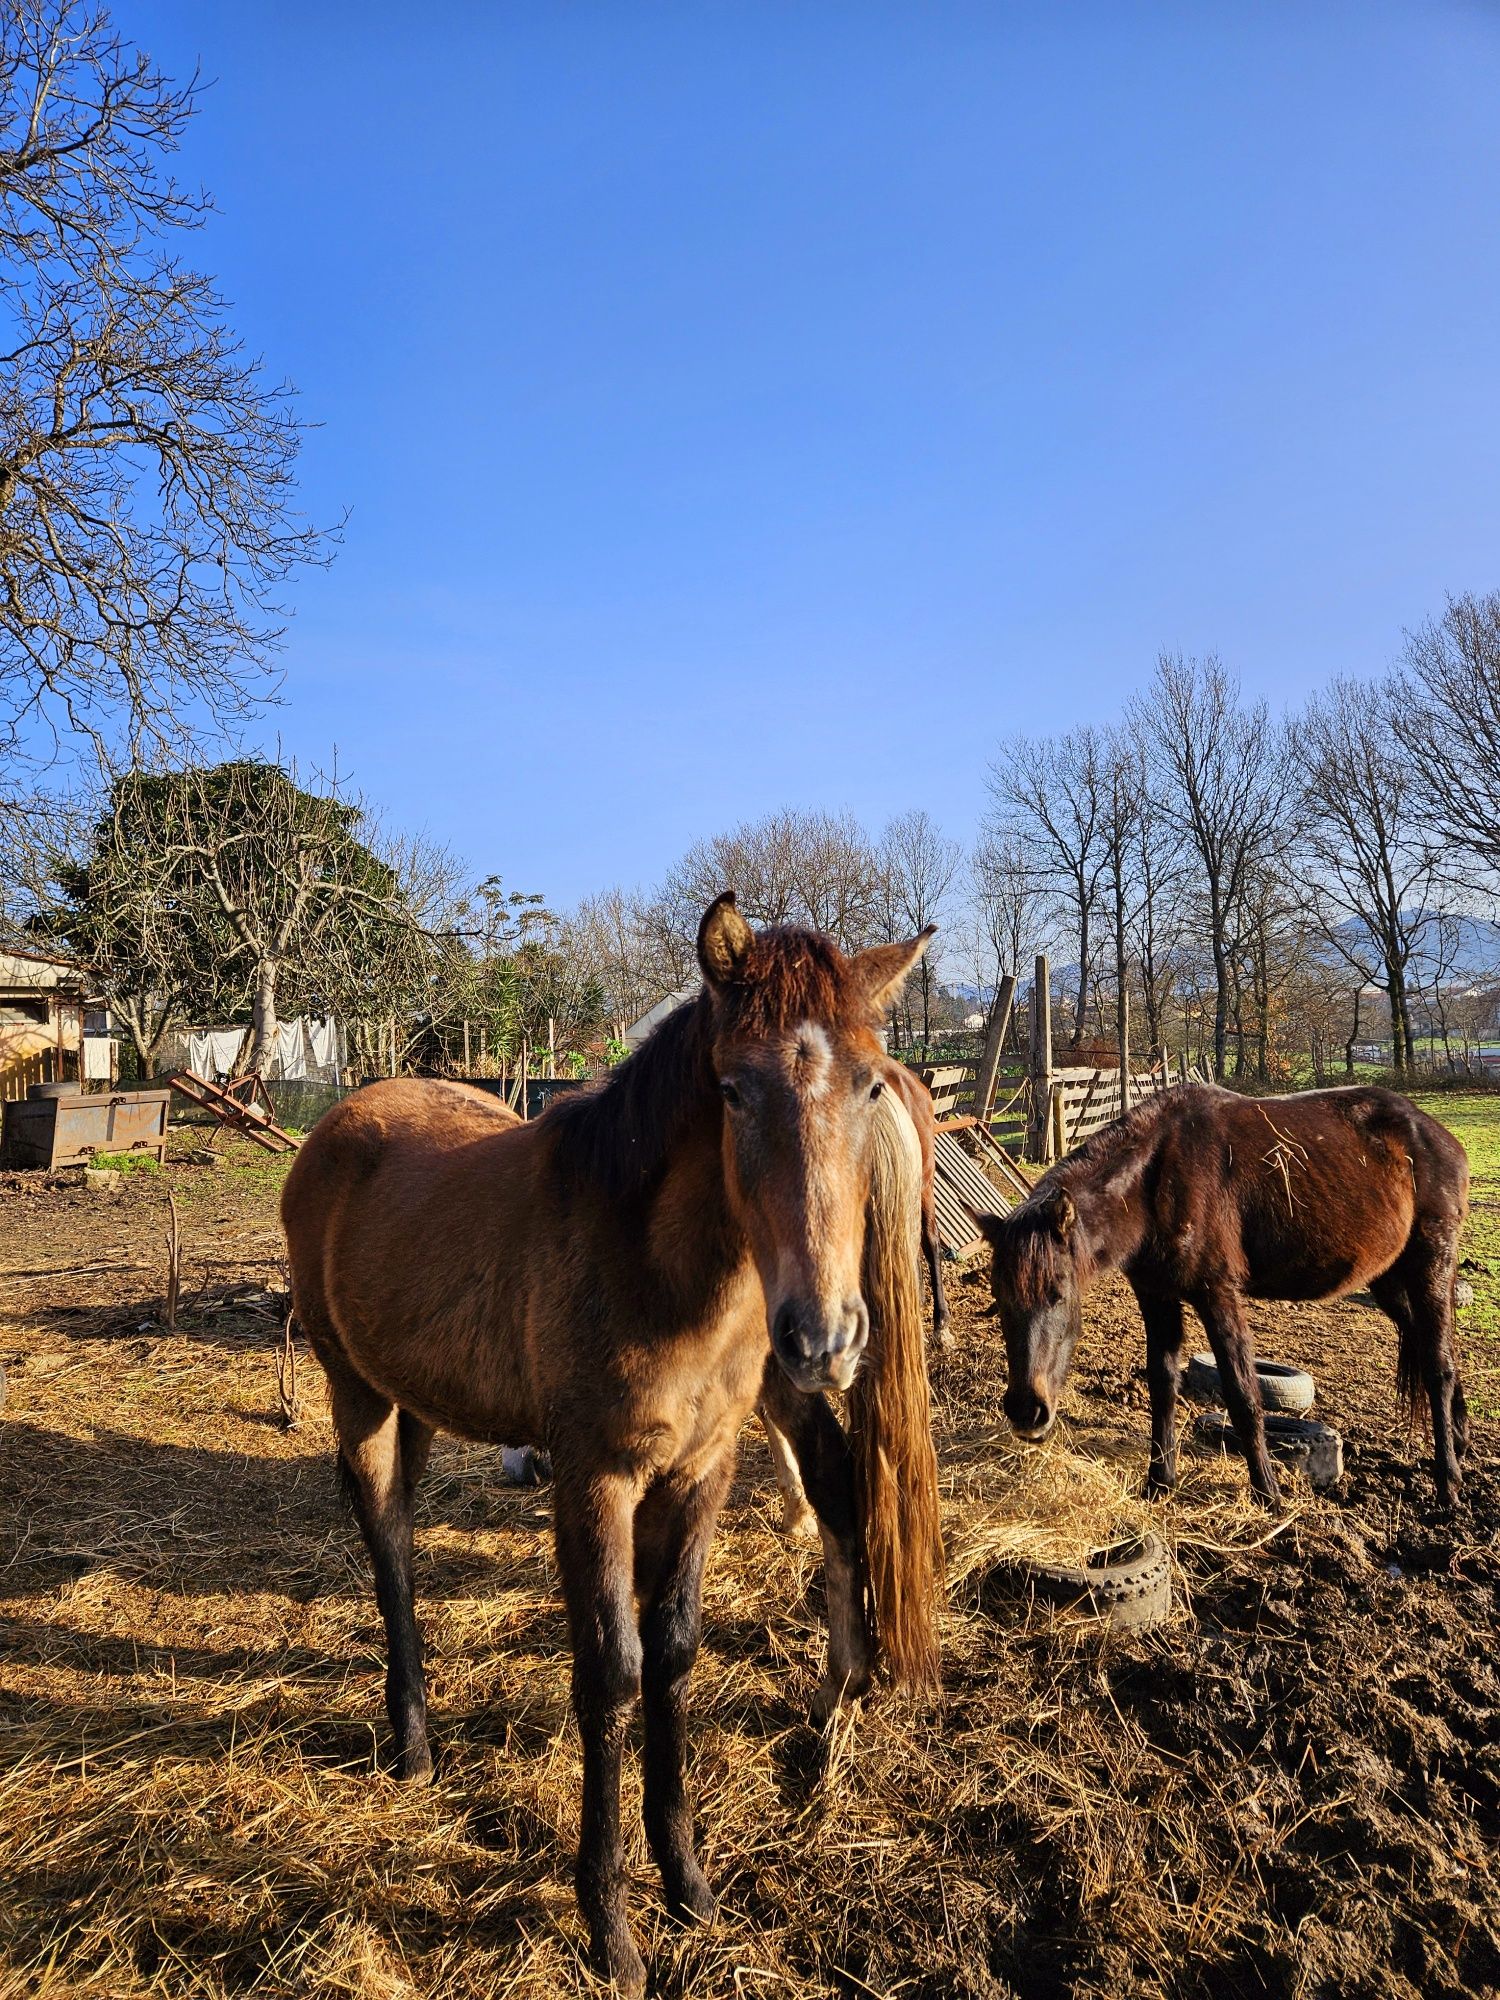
<point x="1294" y="1788"/>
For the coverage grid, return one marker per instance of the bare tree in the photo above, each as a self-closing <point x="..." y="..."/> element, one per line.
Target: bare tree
<point x="1120" y="814"/>
<point x="1048" y="795"/>
<point x="1375" y="863"/>
<point x="918" y="864"/>
<point x="1223" y="775"/>
<point x="1005" y="909"/>
<point x="616" y="936"/>
<point x="146" y="465"/>
<point x="251" y="886"/>
<point x="791" y="867"/>
<point x="1446" y="716"/>
<point x="110" y="898"/>
<point x="1159" y="925"/>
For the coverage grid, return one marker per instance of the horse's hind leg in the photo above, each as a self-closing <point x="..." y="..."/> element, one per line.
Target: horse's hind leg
<point x="1223" y="1316"/>
<point x="673" y="1528"/>
<point x="1164" y="1338"/>
<point x="797" y="1516"/>
<point x="1417" y="1293"/>
<point x="827" y="1469"/>
<point x="382" y="1454"/>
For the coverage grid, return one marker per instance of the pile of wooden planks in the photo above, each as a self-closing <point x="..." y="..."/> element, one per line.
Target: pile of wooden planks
<point x="980" y="1181"/>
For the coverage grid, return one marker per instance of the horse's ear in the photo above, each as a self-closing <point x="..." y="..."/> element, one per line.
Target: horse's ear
<point x="1060" y="1213"/>
<point x="884" y="967"/>
<point x="990" y="1227"/>
<point x="724" y="941"/>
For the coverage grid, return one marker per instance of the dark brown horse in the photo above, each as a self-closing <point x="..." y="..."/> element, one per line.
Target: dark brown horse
<point x="612" y="1282"/>
<point x="1206" y="1197"/>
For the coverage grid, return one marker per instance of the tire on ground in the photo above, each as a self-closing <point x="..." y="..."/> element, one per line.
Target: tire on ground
<point x="1282" y="1387"/>
<point x="1314" y="1449"/>
<point x="1128" y="1584"/>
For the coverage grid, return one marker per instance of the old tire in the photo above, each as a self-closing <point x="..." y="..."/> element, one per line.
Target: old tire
<point x="1282" y="1387"/>
<point x="1128" y="1584"/>
<point x="1313" y="1449"/>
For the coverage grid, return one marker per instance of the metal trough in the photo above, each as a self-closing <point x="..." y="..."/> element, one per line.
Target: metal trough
<point x="65" y="1127"/>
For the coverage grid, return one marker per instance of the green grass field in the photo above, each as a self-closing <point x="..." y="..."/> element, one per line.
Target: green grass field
<point x="1475" y="1117"/>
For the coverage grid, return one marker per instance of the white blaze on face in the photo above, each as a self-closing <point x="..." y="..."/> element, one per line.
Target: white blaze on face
<point x="810" y="1063"/>
<point x="812" y="1059"/>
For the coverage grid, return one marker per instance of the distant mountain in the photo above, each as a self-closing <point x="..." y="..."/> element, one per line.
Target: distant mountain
<point x="1468" y="947"/>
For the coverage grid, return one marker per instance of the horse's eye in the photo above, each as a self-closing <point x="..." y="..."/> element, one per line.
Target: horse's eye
<point x="728" y="1091"/>
<point x="875" y="1090"/>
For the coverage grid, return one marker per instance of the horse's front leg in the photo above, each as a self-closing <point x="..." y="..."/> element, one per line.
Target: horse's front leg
<point x="797" y="1516"/>
<point x="1223" y="1316"/>
<point x="672" y="1533"/>
<point x="1164" y="1338"/>
<point x="932" y="1250"/>
<point x="827" y="1468"/>
<point x="595" y="1519"/>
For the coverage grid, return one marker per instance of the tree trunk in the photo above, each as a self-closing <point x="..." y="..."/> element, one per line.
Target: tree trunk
<point x="1083" y="967"/>
<point x="1353" y="1034"/>
<point x="263" y="1016"/>
<point x="1221" y="1006"/>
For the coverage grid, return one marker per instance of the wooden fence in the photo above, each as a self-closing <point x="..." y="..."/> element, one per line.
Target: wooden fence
<point x="1036" y="1108"/>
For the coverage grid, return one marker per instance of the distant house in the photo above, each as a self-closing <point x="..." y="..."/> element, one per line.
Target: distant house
<point x="41" y="1021"/>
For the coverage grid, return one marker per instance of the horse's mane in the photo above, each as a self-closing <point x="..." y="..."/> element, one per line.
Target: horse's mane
<point x="1033" y="1249"/>
<point x="619" y="1134"/>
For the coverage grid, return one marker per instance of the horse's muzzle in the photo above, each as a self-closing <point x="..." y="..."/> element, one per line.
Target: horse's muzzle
<point x="1030" y="1417"/>
<point x="818" y="1349"/>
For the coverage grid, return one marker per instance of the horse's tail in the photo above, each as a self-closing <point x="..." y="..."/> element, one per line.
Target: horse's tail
<point x="890" y="1414"/>
<point x="1411" y="1384"/>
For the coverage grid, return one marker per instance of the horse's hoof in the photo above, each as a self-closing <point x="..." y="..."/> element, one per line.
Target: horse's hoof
<point x="617" y="1960"/>
<point x="414" y="1767"/>
<point x="690" y="1900"/>
<point x="833" y="1694"/>
<point x="799" y="1524"/>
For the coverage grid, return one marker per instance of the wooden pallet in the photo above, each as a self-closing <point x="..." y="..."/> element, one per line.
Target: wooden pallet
<point x="961" y="1190"/>
<point x="238" y="1106"/>
<point x="998" y="1161"/>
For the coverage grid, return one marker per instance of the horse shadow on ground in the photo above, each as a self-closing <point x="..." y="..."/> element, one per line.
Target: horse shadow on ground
<point x="231" y="1317"/>
<point x="187" y="1521"/>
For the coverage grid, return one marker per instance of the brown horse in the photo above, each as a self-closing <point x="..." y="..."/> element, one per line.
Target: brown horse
<point x="603" y="1282"/>
<point x="1206" y="1197"/>
<point x="798" y="1516"/>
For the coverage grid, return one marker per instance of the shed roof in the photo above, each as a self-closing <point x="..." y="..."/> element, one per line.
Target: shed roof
<point x="637" y="1032"/>
<point x="35" y="972"/>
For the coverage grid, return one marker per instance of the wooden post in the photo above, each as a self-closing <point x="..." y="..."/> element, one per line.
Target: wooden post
<point x="1058" y="1137"/>
<point x="994" y="1041"/>
<point x="1042" y="1115"/>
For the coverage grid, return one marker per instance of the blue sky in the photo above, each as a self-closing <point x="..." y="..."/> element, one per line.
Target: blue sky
<point x="740" y="405"/>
